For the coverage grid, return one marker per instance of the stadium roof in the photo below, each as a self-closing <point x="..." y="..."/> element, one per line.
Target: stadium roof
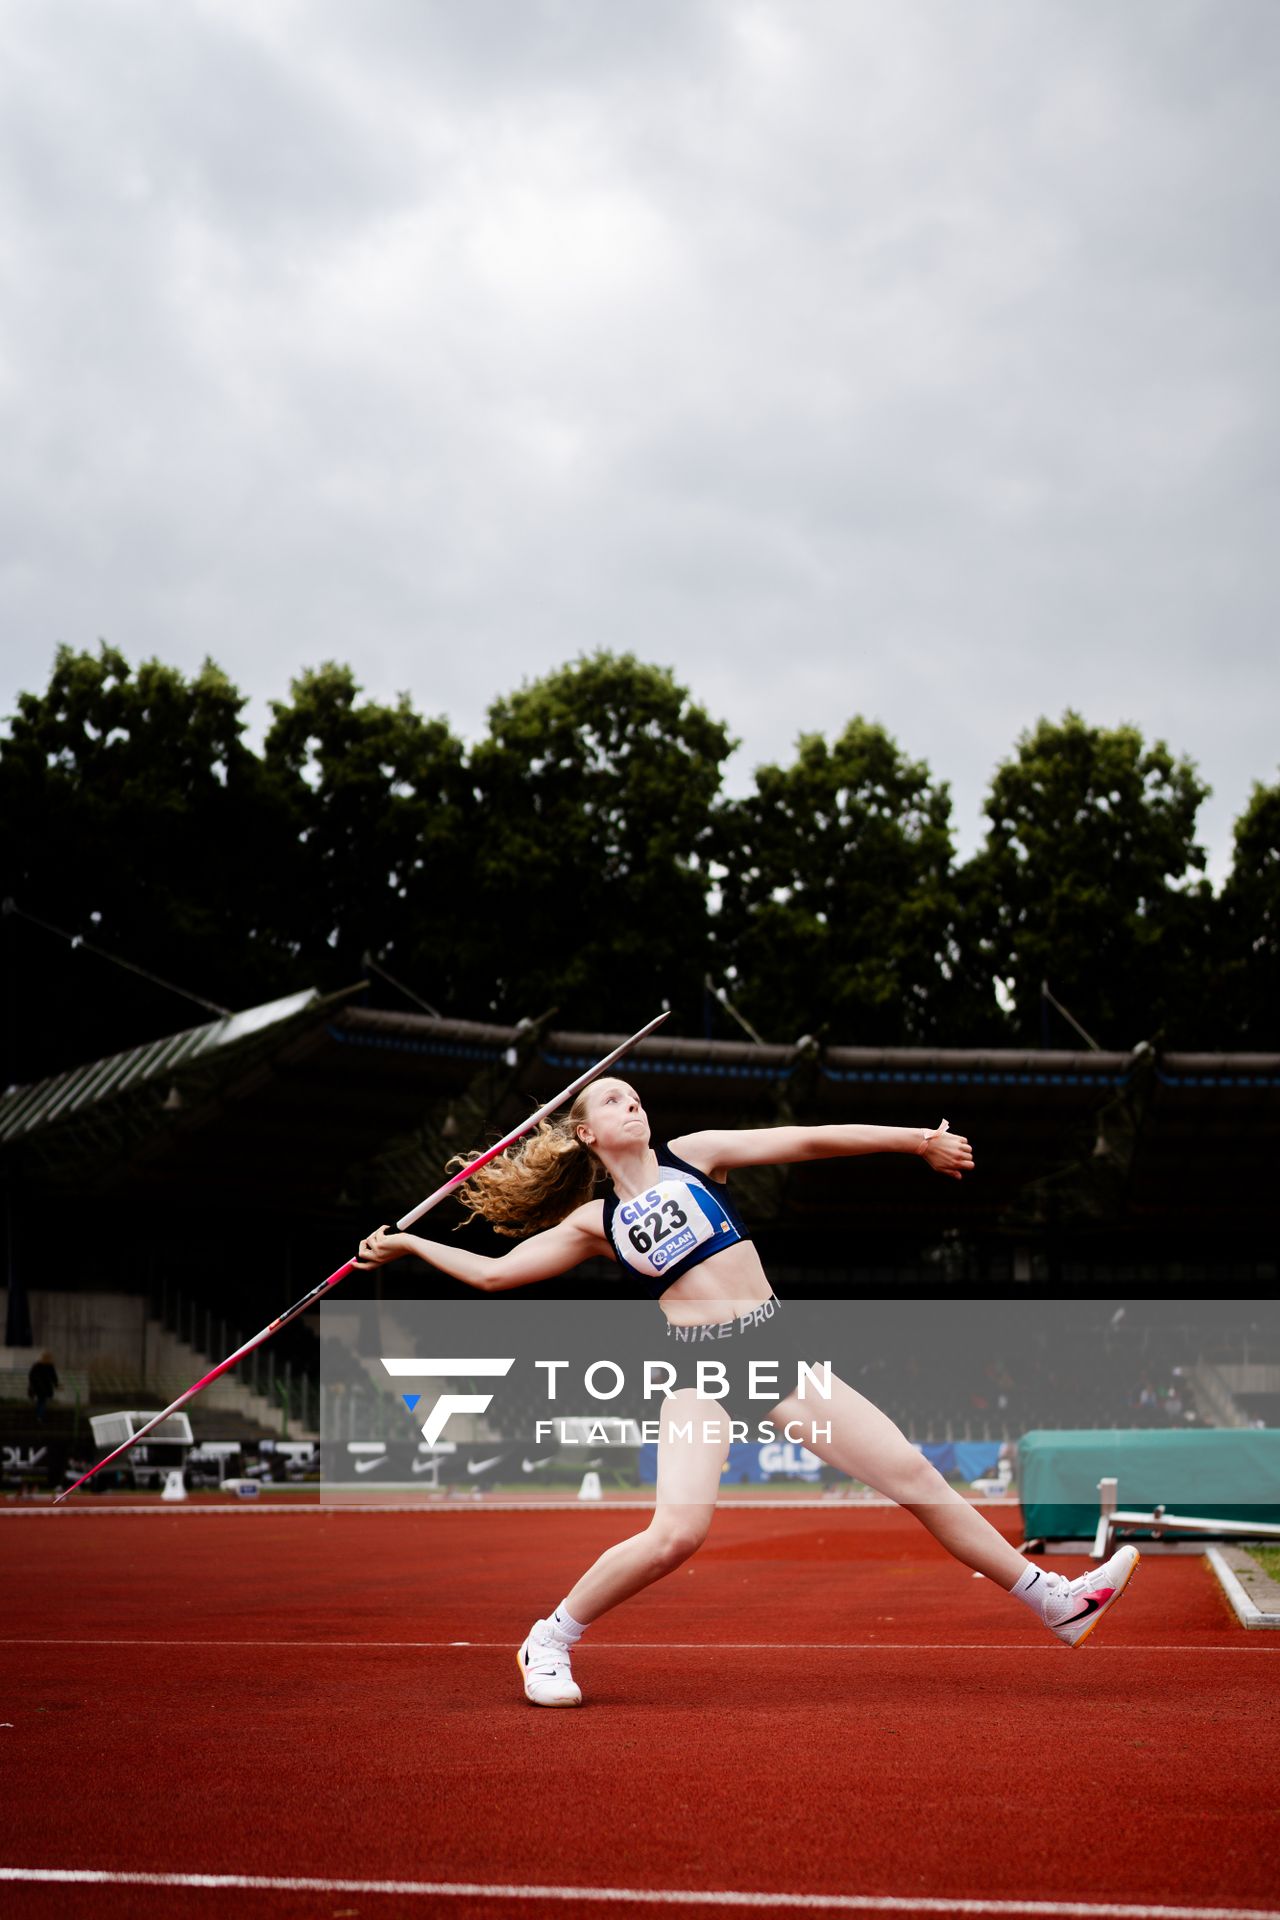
<point x="317" y="1104"/>
<point x="105" y="1082"/>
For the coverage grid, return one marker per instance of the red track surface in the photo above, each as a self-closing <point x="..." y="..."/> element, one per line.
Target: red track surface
<point x="275" y="1695"/>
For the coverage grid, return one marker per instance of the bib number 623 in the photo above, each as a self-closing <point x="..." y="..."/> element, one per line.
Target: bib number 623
<point x="655" y="1228"/>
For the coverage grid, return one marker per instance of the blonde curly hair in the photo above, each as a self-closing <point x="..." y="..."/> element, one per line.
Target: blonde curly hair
<point x="537" y="1181"/>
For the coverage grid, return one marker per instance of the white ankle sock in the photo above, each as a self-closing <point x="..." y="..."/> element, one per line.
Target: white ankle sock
<point x="1036" y="1588"/>
<point x="569" y="1629"/>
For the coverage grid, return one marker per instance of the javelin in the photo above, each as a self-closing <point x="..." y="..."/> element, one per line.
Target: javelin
<point x="424" y="1206"/>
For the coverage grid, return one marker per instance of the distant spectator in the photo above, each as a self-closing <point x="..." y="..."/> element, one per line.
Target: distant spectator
<point x="42" y="1384"/>
<point x="1148" y="1405"/>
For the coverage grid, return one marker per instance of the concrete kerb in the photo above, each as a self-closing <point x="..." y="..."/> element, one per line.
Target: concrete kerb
<point x="1254" y="1596"/>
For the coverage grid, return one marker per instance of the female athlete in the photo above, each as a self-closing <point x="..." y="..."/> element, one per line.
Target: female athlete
<point x="667" y="1216"/>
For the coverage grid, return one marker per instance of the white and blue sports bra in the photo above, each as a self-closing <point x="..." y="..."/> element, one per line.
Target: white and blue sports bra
<point x="678" y="1222"/>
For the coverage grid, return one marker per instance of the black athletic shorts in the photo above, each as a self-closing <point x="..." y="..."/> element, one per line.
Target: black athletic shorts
<point x="763" y="1334"/>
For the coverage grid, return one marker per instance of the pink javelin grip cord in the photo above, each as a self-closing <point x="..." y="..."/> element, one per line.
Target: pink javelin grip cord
<point x="402" y="1226"/>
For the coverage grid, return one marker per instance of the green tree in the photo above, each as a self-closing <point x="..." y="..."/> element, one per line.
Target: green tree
<point x="1089" y="880"/>
<point x="596" y="786"/>
<point x="1249" y="928"/>
<point x="127" y="802"/>
<point x="839" y="911"/>
<point x="381" y="816"/>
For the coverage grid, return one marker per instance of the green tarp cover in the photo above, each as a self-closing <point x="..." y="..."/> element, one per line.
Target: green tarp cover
<point x="1227" y="1474"/>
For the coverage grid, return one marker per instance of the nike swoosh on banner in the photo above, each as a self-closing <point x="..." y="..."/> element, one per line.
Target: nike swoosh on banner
<point x="531" y="1466"/>
<point x="367" y="1466"/>
<point x="478" y="1466"/>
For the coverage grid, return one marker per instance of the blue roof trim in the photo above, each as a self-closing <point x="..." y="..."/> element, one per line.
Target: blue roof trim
<point x="397" y="1043"/>
<point x="698" y="1069"/>
<point x="853" y="1076"/>
<point x="950" y="1077"/>
<point x="1218" y="1079"/>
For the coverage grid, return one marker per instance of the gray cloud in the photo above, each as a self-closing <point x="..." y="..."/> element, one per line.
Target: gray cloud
<point x="911" y="361"/>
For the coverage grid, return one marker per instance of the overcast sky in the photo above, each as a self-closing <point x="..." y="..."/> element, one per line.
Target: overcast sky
<point x="908" y="358"/>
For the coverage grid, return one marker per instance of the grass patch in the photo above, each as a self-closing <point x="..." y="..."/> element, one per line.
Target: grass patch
<point x="1268" y="1558"/>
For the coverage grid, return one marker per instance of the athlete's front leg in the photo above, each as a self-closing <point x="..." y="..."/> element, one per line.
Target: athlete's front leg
<point x="690" y="1462"/>
<point x="691" y="1458"/>
<point x="866" y="1445"/>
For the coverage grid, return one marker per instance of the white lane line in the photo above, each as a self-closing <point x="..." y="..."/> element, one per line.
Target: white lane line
<point x="676" y="1646"/>
<point x="635" y="1896"/>
<point x="179" y="1512"/>
<point x="485" y="1504"/>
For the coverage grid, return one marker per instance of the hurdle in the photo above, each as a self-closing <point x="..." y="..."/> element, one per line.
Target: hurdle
<point x="1182" y="1485"/>
<point x="1113" y="1522"/>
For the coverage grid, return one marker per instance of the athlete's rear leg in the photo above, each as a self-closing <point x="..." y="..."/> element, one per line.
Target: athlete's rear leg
<point x="865" y="1444"/>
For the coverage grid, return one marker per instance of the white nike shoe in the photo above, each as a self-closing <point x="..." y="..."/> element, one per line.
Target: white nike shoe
<point x="544" y="1667"/>
<point x="1075" y="1612"/>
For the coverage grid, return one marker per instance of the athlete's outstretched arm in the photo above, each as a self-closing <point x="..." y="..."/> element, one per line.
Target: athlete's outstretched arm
<point x="541" y="1257"/>
<point x="717" y="1151"/>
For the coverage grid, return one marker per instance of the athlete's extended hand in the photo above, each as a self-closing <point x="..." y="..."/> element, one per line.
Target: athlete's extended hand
<point x="384" y="1244"/>
<point x="948" y="1152"/>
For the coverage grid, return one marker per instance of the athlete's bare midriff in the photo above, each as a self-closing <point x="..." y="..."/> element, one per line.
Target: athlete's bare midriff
<point x="727" y="1283"/>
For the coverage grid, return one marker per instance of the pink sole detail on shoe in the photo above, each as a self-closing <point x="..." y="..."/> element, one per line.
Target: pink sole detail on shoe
<point x="1112" y="1594"/>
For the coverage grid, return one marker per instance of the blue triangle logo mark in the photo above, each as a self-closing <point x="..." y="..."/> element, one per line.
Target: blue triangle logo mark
<point x="411" y="1400"/>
